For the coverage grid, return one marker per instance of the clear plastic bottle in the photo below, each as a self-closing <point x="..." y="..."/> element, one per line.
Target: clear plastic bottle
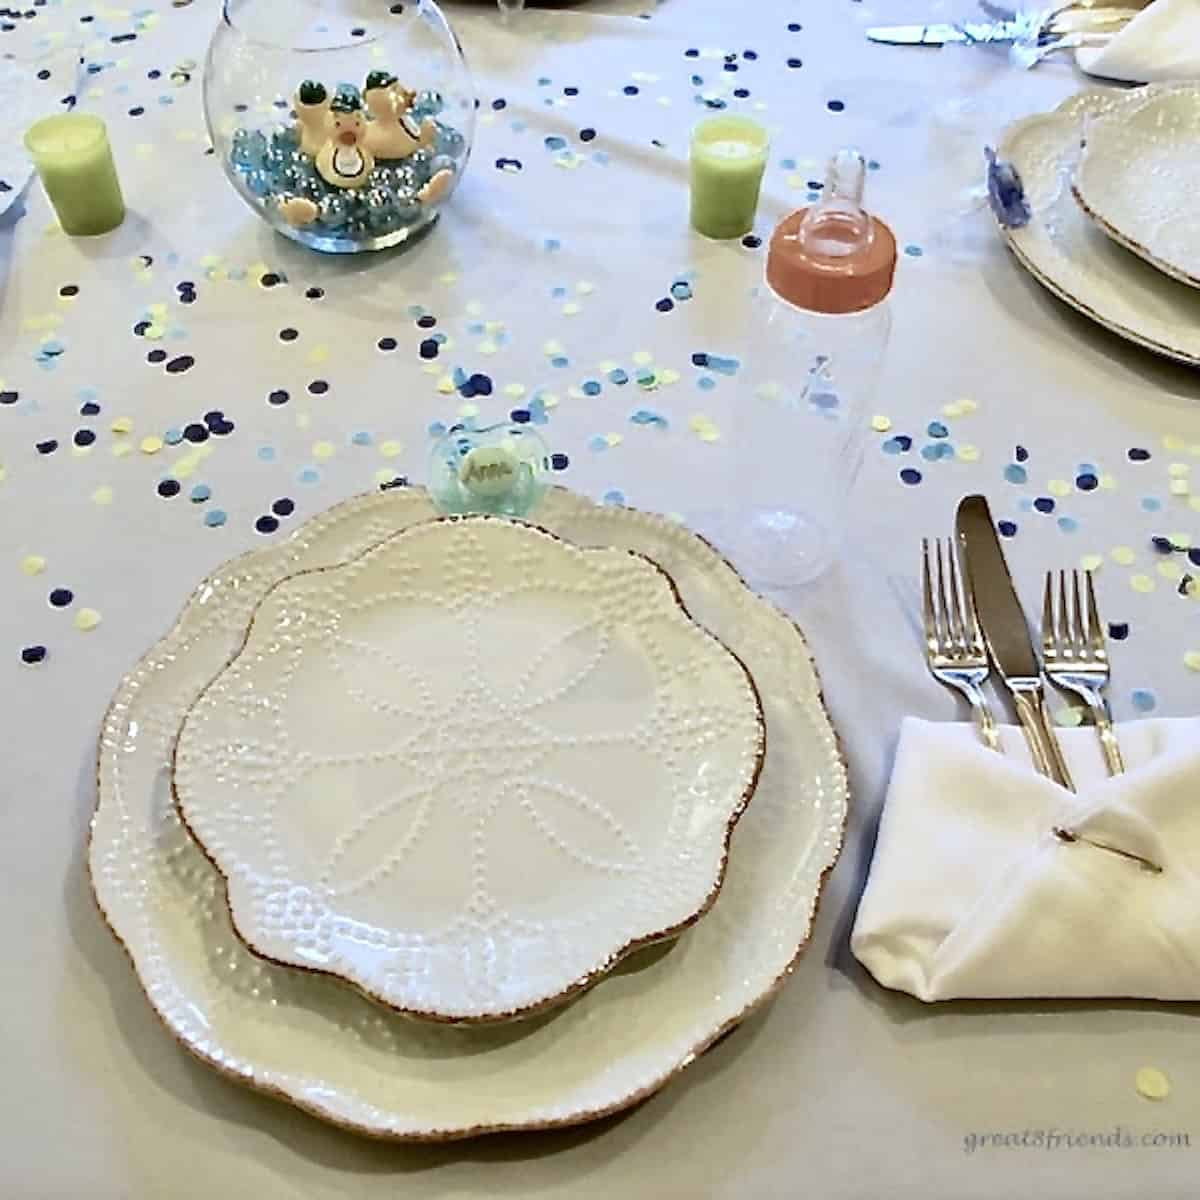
<point x="813" y="363"/>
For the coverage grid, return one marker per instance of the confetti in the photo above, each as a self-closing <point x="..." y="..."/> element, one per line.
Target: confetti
<point x="1142" y="583"/>
<point x="1068" y="717"/>
<point x="1191" y="660"/>
<point x="122" y="425"/>
<point x="881" y="424"/>
<point x="390" y="449"/>
<point x="1123" y="555"/>
<point x="323" y="450"/>
<point x="151" y="445"/>
<point x="87" y="619"/>
<point x="102" y="495"/>
<point x="704" y="428"/>
<point x="33" y="564"/>
<point x="1091" y="562"/>
<point x="1152" y="1083"/>
<point x="968" y="453"/>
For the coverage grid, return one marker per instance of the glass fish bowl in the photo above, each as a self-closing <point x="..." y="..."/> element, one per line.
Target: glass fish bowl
<point x="345" y="124"/>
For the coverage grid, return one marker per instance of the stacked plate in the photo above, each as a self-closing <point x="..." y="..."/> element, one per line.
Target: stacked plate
<point x="1111" y="178"/>
<point x="389" y="819"/>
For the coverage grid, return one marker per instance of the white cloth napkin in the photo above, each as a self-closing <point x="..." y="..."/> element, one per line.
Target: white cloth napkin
<point x="971" y="895"/>
<point x="1161" y="43"/>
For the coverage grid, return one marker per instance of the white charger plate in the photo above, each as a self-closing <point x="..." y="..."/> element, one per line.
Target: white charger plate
<point x="1072" y="257"/>
<point x="1139" y="178"/>
<point x="320" y="1045"/>
<point x="471" y="769"/>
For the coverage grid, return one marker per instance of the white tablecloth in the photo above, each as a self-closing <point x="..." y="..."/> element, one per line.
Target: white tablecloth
<point x="839" y="1089"/>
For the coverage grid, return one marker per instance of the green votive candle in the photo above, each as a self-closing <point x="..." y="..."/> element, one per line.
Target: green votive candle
<point x="75" y="163"/>
<point x="728" y="157"/>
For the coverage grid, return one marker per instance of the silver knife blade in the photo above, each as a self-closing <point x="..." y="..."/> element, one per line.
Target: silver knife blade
<point x="944" y="34"/>
<point x="1000" y="613"/>
<point x="1006" y="632"/>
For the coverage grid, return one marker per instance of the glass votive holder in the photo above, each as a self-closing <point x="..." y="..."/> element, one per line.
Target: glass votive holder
<point x="728" y="157"/>
<point x="75" y="164"/>
<point x="498" y="469"/>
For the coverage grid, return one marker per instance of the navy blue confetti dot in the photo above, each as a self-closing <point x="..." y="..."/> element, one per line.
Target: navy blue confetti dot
<point x="692" y="53"/>
<point x="315" y="293"/>
<point x="570" y="91"/>
<point x="358" y="31"/>
<point x="278" y="396"/>
<point x="288" y="335"/>
<point x="587" y="135"/>
<point x="43" y="74"/>
<point x="90" y="409"/>
<point x="559" y="462"/>
<point x="69" y="289"/>
<point x="156" y="356"/>
<point x="1137" y="454"/>
<point x="742" y="93"/>
<point x="499" y="104"/>
<point x="752" y="241"/>
<point x="1162" y="545"/>
<point x="481" y="385"/>
<point x="84" y="437"/>
<point x="220" y="429"/>
<point x="910" y="475"/>
<point x="731" y="67"/>
<point x="141" y="327"/>
<point x="136" y="111"/>
<point x="1194" y="556"/>
<point x="1044" y="504"/>
<point x="795" y="63"/>
<point x="794" y="27"/>
<point x="195" y="432"/>
<point x="630" y="89"/>
<point x="903" y="441"/>
<point x="503" y="164"/>
<point x="1007" y="528"/>
<point x="520" y="416"/>
<point x="283" y="507"/>
<point x="47" y="447"/>
<point x="61" y="597"/>
<point x="32" y="655"/>
<point x="168" y="488"/>
<point x="426" y="321"/>
<point x="1087" y="482"/>
<point x="665" y="305"/>
<point x="270" y="280"/>
<point x="1021" y="454"/>
<point x="266" y="524"/>
<point x="386" y="343"/>
<point x="699" y="359"/>
<point x="1118" y="630"/>
<point x="213" y="418"/>
<point x="318" y="387"/>
<point x="750" y="55"/>
<point x="429" y="348"/>
<point x="836" y="106"/>
<point x="396" y="9"/>
<point x="155" y="74"/>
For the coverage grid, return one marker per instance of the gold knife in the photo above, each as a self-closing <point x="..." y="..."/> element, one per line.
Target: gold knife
<point x="1007" y="634"/>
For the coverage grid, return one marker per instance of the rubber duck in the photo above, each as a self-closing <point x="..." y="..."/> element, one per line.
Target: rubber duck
<point x="345" y="161"/>
<point x="394" y="132"/>
<point x="312" y="103"/>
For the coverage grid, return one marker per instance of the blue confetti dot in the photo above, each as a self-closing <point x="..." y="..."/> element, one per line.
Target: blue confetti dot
<point x="200" y="493"/>
<point x="618" y="376"/>
<point x="560" y="360"/>
<point x="309" y="475"/>
<point x="913" y="251"/>
<point x="787" y="164"/>
<point x="437" y="429"/>
<point x="266" y="453"/>
<point x="937" y="430"/>
<point x="895" y="446"/>
<point x="1118" y="630"/>
<point x="361" y="438"/>
<point x="706" y="383"/>
<point x="1007" y="528"/>
<point x="1143" y="699"/>
<point x="681" y="290"/>
<point x="1015" y="473"/>
<point x="1151" y="504"/>
<point x="910" y="476"/>
<point x="215" y="517"/>
<point x="1087" y="469"/>
<point x="591" y="387"/>
<point x="614" y="496"/>
<point x="1068" y="524"/>
<point x="724" y="366"/>
<point x="598" y="443"/>
<point x="554" y="142"/>
<point x="173" y="437"/>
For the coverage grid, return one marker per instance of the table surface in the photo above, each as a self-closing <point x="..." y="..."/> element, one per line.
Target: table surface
<point x="838" y="1089"/>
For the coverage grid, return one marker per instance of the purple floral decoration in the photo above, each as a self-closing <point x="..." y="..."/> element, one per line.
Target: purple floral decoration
<point x="1006" y="192"/>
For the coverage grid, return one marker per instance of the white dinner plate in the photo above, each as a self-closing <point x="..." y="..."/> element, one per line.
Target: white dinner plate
<point x="1139" y="178"/>
<point x="472" y="769"/>
<point x="1068" y="254"/>
<point x="319" y="1044"/>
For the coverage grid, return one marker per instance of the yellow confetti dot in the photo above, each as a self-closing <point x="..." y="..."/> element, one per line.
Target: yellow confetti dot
<point x="449" y="279"/>
<point x="151" y="445"/>
<point x="1123" y="555"/>
<point x="1191" y="660"/>
<point x="390" y="449"/>
<point x="613" y="439"/>
<point x="1058" y="487"/>
<point x="445" y="385"/>
<point x="514" y="391"/>
<point x="33" y="564"/>
<point x="122" y="425"/>
<point x="1181" y="541"/>
<point x="86" y="619"/>
<point x="1179" y="469"/>
<point x="1152" y="1083"/>
<point x="1194" y="503"/>
<point x="121" y="449"/>
<point x="80" y="451"/>
<point x="474" y="308"/>
<point x="303" y="420"/>
<point x="643" y="358"/>
<point x="549" y="400"/>
<point x="570" y="309"/>
<point x="323" y="449"/>
<point x="968" y="405"/>
<point x="468" y="410"/>
<point x="1142" y="583"/>
<point x="383" y="475"/>
<point x="102" y="495"/>
<point x="584" y="288"/>
<point x="573" y="393"/>
<point x="431" y="368"/>
<point x="667" y="376"/>
<point x="157" y="310"/>
<point x="704" y="428"/>
<point x="881" y="424"/>
<point x="1169" y="570"/>
<point x="1180" y="487"/>
<point x="551" y="348"/>
<point x="488" y="347"/>
<point x="318" y="355"/>
<point x="968" y="453"/>
<point x="954" y="409"/>
<point x="185" y="467"/>
<point x="1108" y="483"/>
<point x="1173" y="442"/>
<point x="1068" y="717"/>
<point x="795" y="181"/>
<point x="1091" y="562"/>
<point x="768" y="391"/>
